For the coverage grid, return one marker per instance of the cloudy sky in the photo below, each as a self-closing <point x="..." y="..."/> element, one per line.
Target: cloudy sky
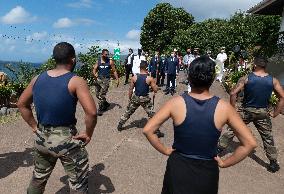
<point x="30" y="29"/>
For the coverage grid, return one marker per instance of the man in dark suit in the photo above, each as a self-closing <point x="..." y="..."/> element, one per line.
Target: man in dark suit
<point x="154" y="64"/>
<point x="161" y="72"/>
<point x="172" y="69"/>
<point x="128" y="65"/>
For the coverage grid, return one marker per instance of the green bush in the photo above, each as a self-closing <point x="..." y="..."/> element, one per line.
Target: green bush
<point x="5" y="93"/>
<point x="120" y="70"/>
<point x="88" y="60"/>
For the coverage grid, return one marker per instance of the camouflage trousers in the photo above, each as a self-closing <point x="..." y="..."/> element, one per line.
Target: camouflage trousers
<point x="135" y="102"/>
<point x="261" y="120"/>
<point x="52" y="143"/>
<point x="101" y="89"/>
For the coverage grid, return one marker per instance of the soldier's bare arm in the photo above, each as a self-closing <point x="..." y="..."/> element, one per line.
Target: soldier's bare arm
<point x="114" y="71"/>
<point x="79" y="87"/>
<point x="280" y="93"/>
<point x="244" y="134"/>
<point x="153" y="85"/>
<point x="95" y="70"/>
<point x="131" y="87"/>
<point x="154" y="123"/>
<point x="238" y="88"/>
<point x="24" y="105"/>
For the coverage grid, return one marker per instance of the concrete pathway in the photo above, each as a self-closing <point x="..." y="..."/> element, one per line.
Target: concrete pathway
<point x="125" y="162"/>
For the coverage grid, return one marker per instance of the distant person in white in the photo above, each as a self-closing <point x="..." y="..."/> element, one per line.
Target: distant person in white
<point x="137" y="61"/>
<point x="209" y="54"/>
<point x="221" y="57"/>
<point x="192" y="57"/>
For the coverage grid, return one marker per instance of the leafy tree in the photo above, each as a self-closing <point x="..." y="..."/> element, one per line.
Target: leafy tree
<point x="210" y="34"/>
<point x="161" y="24"/>
<point x="256" y="30"/>
<point x="241" y="29"/>
<point x="88" y="60"/>
<point x="48" y="65"/>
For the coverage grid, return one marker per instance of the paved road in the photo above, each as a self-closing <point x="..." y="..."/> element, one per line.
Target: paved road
<point x="125" y="163"/>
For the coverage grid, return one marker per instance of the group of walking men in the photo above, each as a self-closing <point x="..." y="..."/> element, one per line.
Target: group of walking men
<point x="158" y="68"/>
<point x="161" y="67"/>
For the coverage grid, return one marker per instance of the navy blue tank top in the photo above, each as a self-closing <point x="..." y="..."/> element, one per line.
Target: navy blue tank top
<point x="104" y="68"/>
<point x="258" y="91"/>
<point x="141" y="86"/>
<point x="54" y="104"/>
<point x="197" y="136"/>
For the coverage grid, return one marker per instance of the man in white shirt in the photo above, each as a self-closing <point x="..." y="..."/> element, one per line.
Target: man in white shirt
<point x="221" y="57"/>
<point x="187" y="59"/>
<point x="190" y="59"/>
<point x="137" y="61"/>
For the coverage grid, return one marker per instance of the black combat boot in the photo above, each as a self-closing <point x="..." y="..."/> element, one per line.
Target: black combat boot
<point x="273" y="166"/>
<point x="119" y="127"/>
<point x="100" y="110"/>
<point x="106" y="105"/>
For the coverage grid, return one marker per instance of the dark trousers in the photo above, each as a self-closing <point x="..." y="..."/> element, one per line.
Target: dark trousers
<point x="190" y="176"/>
<point x="171" y="78"/>
<point x="161" y="78"/>
<point x="128" y="70"/>
<point x="154" y="74"/>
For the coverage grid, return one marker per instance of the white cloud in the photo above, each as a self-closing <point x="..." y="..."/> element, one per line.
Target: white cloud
<point x="84" y="21"/>
<point x="17" y="15"/>
<point x="124" y="45"/>
<point x="37" y="36"/>
<point x="12" y="48"/>
<point x="133" y="34"/>
<point x="67" y="22"/>
<point x="63" y="23"/>
<point x="9" y="41"/>
<point x="81" y="4"/>
<point x="62" y="37"/>
<point x="212" y="9"/>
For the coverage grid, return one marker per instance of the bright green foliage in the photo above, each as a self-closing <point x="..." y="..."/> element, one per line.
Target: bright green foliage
<point x="5" y="93"/>
<point x="88" y="61"/>
<point x="48" y="65"/>
<point x="120" y="70"/>
<point x="161" y="25"/>
<point x="208" y="35"/>
<point x="166" y="27"/>
<point x="247" y="31"/>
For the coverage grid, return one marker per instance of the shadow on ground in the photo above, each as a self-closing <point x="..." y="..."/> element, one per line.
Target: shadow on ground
<point x="233" y="146"/>
<point x="137" y="123"/>
<point x="10" y="162"/>
<point x="113" y="105"/>
<point x="98" y="183"/>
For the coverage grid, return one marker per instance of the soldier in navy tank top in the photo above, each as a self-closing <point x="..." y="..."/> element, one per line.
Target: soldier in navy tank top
<point x="198" y="118"/>
<point x="55" y="94"/>
<point x="102" y="73"/>
<point x="258" y="87"/>
<point x="140" y="83"/>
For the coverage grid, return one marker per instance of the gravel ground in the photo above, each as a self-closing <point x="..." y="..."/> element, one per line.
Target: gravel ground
<point x="125" y="163"/>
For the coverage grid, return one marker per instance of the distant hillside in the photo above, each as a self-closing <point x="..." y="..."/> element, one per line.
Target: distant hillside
<point x="14" y="64"/>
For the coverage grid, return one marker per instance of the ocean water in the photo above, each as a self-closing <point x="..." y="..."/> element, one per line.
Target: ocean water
<point x="14" y="65"/>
